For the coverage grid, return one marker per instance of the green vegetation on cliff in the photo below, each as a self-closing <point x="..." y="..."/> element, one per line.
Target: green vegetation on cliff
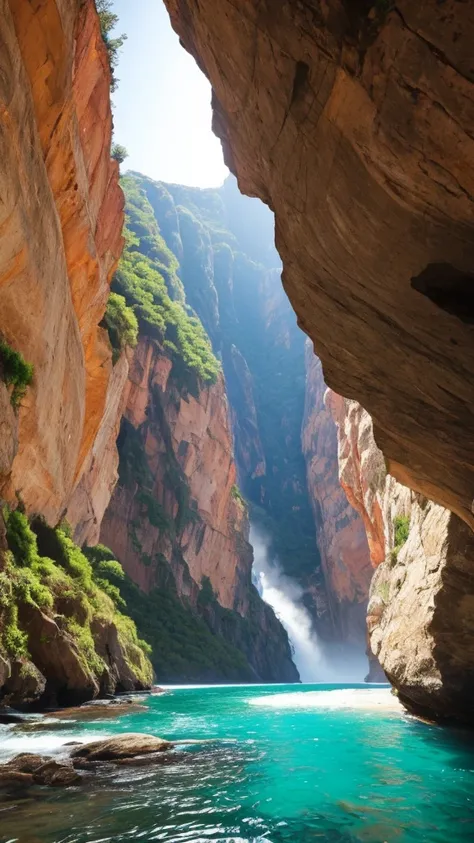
<point x="108" y="22"/>
<point x="16" y="372"/>
<point x="148" y="281"/>
<point x="122" y="324"/>
<point x="401" y="530"/>
<point x="182" y="645"/>
<point x="44" y="570"/>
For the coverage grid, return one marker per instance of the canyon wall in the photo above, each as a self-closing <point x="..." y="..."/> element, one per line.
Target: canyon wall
<point x="263" y="354"/>
<point x="63" y="638"/>
<point x="177" y="520"/>
<point x="419" y="615"/>
<point x="341" y="533"/>
<point x="355" y="124"/>
<point x="61" y="222"/>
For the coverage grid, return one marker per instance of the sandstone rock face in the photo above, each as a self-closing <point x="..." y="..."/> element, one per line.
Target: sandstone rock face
<point x="362" y="471"/>
<point x="356" y="125"/>
<point x="249" y="453"/>
<point x="341" y="535"/>
<point x="92" y="494"/>
<point x="175" y="521"/>
<point x="198" y="436"/>
<point x="421" y="618"/>
<point x="55" y="654"/>
<point x="61" y="219"/>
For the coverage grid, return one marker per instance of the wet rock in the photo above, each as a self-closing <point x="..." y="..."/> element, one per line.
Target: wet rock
<point x="11" y="777"/>
<point x="7" y="717"/>
<point x="25" y="762"/>
<point x="26" y="769"/>
<point x="122" y="746"/>
<point x="56" y="774"/>
<point x="25" y="683"/>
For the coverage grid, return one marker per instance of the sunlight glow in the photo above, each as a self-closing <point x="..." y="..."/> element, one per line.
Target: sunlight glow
<point x="162" y="107"/>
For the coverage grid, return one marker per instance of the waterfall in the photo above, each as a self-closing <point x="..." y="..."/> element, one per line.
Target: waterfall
<point x="316" y="662"/>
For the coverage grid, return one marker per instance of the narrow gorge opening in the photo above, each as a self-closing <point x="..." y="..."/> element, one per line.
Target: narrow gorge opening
<point x="210" y="573"/>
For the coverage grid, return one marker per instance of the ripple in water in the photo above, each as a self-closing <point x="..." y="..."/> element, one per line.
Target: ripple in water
<point x="332" y="765"/>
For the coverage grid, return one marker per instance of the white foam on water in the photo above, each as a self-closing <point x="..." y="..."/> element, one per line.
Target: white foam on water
<point x="12" y="743"/>
<point x="340" y="699"/>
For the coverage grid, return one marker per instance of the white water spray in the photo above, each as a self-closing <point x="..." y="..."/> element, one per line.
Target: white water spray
<point x="284" y="596"/>
<point x="315" y="662"/>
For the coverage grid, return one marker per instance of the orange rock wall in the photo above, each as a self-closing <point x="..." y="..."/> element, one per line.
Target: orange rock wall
<point x="60" y="237"/>
<point x="340" y="529"/>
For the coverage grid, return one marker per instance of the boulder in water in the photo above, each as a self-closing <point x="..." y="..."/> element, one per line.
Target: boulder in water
<point x="122" y="746"/>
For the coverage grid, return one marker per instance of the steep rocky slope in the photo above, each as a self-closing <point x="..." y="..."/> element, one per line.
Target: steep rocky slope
<point x="354" y="122"/>
<point x="177" y="521"/>
<point x="272" y="394"/>
<point x="341" y="534"/>
<point x="63" y="635"/>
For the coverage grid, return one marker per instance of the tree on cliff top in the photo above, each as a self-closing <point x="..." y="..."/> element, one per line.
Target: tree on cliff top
<point x="108" y="22"/>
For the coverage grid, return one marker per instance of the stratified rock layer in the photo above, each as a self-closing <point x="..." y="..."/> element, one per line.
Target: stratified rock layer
<point x="356" y="125"/>
<point x="60" y="221"/>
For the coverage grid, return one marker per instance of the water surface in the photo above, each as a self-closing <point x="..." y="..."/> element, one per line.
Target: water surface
<point x="325" y="764"/>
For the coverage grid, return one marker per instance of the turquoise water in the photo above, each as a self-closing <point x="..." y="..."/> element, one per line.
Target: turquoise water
<point x="330" y="765"/>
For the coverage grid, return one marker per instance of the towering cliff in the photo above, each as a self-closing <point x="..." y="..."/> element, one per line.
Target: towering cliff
<point x="354" y="122"/>
<point x="61" y="221"/>
<point x="63" y="634"/>
<point x="237" y="292"/>
<point x="341" y="534"/>
<point x="177" y="521"/>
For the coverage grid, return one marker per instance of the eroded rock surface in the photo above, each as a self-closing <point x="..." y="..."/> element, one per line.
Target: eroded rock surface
<point x="356" y="125"/>
<point x="420" y="610"/>
<point x="61" y="219"/>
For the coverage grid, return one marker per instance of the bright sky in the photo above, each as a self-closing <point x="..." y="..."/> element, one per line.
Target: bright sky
<point x="162" y="109"/>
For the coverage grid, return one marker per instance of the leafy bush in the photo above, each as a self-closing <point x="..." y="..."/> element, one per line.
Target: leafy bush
<point x="401" y="530"/>
<point x="401" y="525"/>
<point x="121" y="323"/>
<point x="118" y="152"/>
<point x="16" y="372"/>
<point x="108" y="22"/>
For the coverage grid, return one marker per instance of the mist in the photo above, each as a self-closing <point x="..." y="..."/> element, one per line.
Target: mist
<point x="316" y="661"/>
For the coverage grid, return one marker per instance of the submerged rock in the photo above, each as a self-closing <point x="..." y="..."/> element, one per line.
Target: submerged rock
<point x="129" y="745"/>
<point x="99" y="711"/>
